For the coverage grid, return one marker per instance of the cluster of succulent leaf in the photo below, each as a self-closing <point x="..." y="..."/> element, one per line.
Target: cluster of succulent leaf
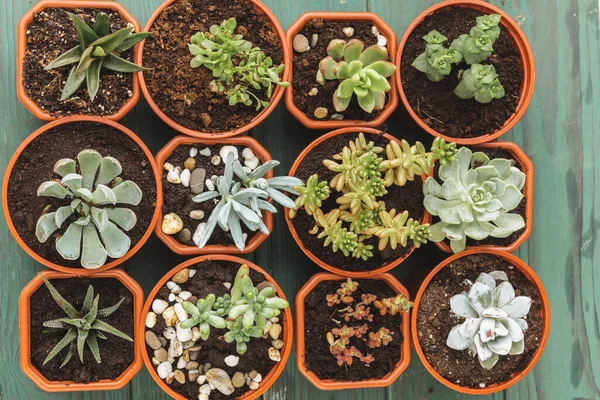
<point x="245" y="200"/>
<point x="493" y="319"/>
<point x="475" y="199"/>
<point x="362" y="179"/>
<point x="95" y="51"/>
<point x="240" y="69"/>
<point x="479" y="81"/>
<point x="243" y="312"/>
<point x="90" y="188"/>
<point x="83" y="327"/>
<point x="361" y="72"/>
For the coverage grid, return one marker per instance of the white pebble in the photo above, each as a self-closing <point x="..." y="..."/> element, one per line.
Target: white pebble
<point x="170" y="333"/>
<point x="205" y="389"/>
<point x="227" y="285"/>
<point x="171" y="285"/>
<point x="215" y="160"/>
<point x="185" y="295"/>
<point x="231" y="360"/>
<point x="248" y="153"/>
<point x="185" y="177"/>
<point x="201" y="379"/>
<point x="209" y="185"/>
<point x="158" y="306"/>
<point x="192" y="273"/>
<point x="168" y="166"/>
<point x="253" y="385"/>
<point x="164" y="369"/>
<point x="225" y="150"/>
<point x="252" y="163"/>
<point x="173" y="177"/>
<point x="203" y="396"/>
<point x="257" y="378"/>
<point x="374" y="30"/>
<point x="193" y="152"/>
<point x="172" y="297"/>
<point x="205" y="152"/>
<point x="199" y="231"/>
<point x="150" y="319"/>
<point x="381" y="41"/>
<point x="181" y="363"/>
<point x="176" y="289"/>
<point x="182" y="315"/>
<point x="348" y="31"/>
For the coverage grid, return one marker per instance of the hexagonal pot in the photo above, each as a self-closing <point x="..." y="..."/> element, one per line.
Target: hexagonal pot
<point x="392" y="95"/>
<point x="69" y="386"/>
<point x="326" y="384"/>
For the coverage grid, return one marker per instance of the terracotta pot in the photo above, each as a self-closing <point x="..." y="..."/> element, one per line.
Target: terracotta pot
<point x="526" y="166"/>
<point x="329" y="384"/>
<point x="530" y="274"/>
<point x="22" y="51"/>
<point x="78" y="271"/>
<point x="170" y="240"/>
<point x="384" y="29"/>
<point x="70" y="386"/>
<point x="527" y="62"/>
<point x="277" y="93"/>
<point x="288" y="332"/>
<point x="353" y="274"/>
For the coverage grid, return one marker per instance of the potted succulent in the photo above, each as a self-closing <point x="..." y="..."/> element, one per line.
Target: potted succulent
<point x="78" y="333"/>
<point x="361" y="211"/>
<point x="81" y="192"/>
<point x="216" y="324"/>
<point x="481" y="320"/>
<point x="465" y="71"/>
<point x="75" y="58"/>
<point x="217" y="195"/>
<point x="484" y="198"/>
<point x="342" y="70"/>
<point x="352" y="333"/>
<point x="219" y="72"/>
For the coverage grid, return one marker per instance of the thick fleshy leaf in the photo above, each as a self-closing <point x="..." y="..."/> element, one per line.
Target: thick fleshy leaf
<point x="103" y="195"/>
<point x="118" y="64"/>
<point x="115" y="241"/>
<point x="505" y="224"/>
<point x="486" y="279"/>
<point x="102" y="24"/>
<point x="132" y="40"/>
<point x="353" y="50"/>
<point x="106" y="312"/>
<point x="64" y="167"/>
<point x="67" y="58"/>
<point x="339" y="103"/>
<point x="518" y="307"/>
<point x="93" y="255"/>
<point x="500" y="345"/>
<point x="123" y="217"/>
<point x="245" y="212"/>
<point x="236" y="231"/>
<point x="432" y="187"/>
<point x="110" y="42"/>
<point x="514" y="330"/>
<point x="262" y="169"/>
<point x="517" y="348"/>
<point x="486" y="330"/>
<point x="61" y="215"/>
<point x="92" y="343"/>
<point x="503" y="166"/>
<point x="72" y="181"/>
<point x="88" y="300"/>
<point x="383" y="68"/>
<point x="469" y="328"/>
<point x="483" y="351"/>
<point x="62" y="303"/>
<point x="74" y="81"/>
<point x="480" y="297"/>
<point x="490" y="362"/>
<point x="205" y="196"/>
<point x="281" y="198"/>
<point x="458" y="245"/>
<point x="503" y="294"/>
<point x="456" y="341"/>
<point x="89" y="161"/>
<point x="99" y="217"/>
<point x="379" y="99"/>
<point x="367" y="103"/>
<point x="478" y="230"/>
<point x="461" y="306"/>
<point x="128" y="192"/>
<point x="335" y="48"/>
<point x="69" y="244"/>
<point x="64" y="342"/>
<point x="87" y="58"/>
<point x="511" y="198"/>
<point x="326" y="66"/>
<point x="84" y="32"/>
<point x="373" y="54"/>
<point x="110" y="168"/>
<point x="500" y="329"/>
<point x="45" y="227"/>
<point x="494" y="312"/>
<point x="104" y="327"/>
<point x="53" y="189"/>
<point x="516" y="178"/>
<point x="92" y="77"/>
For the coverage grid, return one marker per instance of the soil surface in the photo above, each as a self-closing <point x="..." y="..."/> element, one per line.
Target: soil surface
<point x="408" y="197"/>
<point x="305" y="67"/>
<point x="116" y="354"/>
<point x="435" y="320"/>
<point x="178" y="199"/>
<point x="209" y="278"/>
<point x="50" y="34"/>
<point x="317" y="322"/>
<point x="183" y="92"/>
<point x="436" y="104"/>
<point x="35" y="166"/>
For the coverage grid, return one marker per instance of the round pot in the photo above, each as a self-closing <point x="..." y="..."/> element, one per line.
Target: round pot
<point x="526" y="166"/>
<point x="275" y="98"/>
<point x="182" y="249"/>
<point x="78" y="271"/>
<point x="525" y="53"/>
<point x="383" y="28"/>
<point x="288" y="333"/>
<point x="36" y="110"/>
<point x="70" y="386"/>
<point x="340" y="385"/>
<point x="525" y="270"/>
<point x="353" y="274"/>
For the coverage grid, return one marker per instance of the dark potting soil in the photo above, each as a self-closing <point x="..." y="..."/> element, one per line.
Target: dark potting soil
<point x="521" y="208"/>
<point x="35" y="166"/>
<point x="116" y="354"/>
<point x="408" y="197"/>
<point x="50" y="34"/>
<point x="436" y="104"/>
<point x="305" y="67"/>
<point x="317" y="322"/>
<point x="209" y="278"/>
<point x="183" y="92"/>
<point x="435" y="320"/>
<point x="178" y="198"/>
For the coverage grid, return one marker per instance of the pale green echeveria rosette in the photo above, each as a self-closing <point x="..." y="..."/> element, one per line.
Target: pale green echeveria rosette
<point x="475" y="199"/>
<point x="94" y="187"/>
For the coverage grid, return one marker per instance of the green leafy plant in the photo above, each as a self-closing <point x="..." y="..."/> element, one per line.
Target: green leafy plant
<point x="481" y="82"/>
<point x="362" y="72"/>
<point x="475" y="199"/>
<point x="398" y="228"/>
<point x="239" y="334"/>
<point x="240" y="69"/>
<point x="83" y="327"/>
<point x="92" y="187"/>
<point x="478" y="44"/>
<point x="202" y="314"/>
<point x="311" y="196"/>
<point x="436" y="61"/>
<point x="95" y="51"/>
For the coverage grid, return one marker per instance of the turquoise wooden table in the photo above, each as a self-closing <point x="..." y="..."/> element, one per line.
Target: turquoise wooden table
<point x="560" y="132"/>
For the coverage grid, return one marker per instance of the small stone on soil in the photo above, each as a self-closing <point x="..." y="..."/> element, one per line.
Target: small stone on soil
<point x="300" y="43"/>
<point x="190" y="163"/>
<point x="238" y="379"/>
<point x="321" y="112"/>
<point x="150" y="319"/>
<point x="171" y="224"/>
<point x="158" y="306"/>
<point x="348" y="31"/>
<point x="185" y="235"/>
<point x="197" y="180"/>
<point x="197" y="214"/>
<point x="152" y="340"/>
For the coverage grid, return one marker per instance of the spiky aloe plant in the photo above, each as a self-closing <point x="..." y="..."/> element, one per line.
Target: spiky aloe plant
<point x="95" y="51"/>
<point x="93" y="186"/>
<point x="83" y="326"/>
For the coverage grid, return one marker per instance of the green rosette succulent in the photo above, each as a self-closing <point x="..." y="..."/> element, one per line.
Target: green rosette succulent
<point x="480" y="82"/>
<point x="203" y="314"/>
<point x="436" y="61"/>
<point x="478" y="44"/>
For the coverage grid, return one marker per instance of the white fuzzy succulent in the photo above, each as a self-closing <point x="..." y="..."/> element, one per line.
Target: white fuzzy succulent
<point x="494" y="319"/>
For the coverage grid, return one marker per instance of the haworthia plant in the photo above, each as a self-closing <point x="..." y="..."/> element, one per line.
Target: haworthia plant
<point x="90" y="188"/>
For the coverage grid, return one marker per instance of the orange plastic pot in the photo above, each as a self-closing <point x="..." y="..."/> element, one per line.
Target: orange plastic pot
<point x="170" y="240"/>
<point x="69" y="386"/>
<point x="22" y="51"/>
<point x="329" y="384"/>
<point x="527" y="63"/>
<point x="545" y="315"/>
<point x="526" y="166"/>
<point x="288" y="332"/>
<point x="383" y="29"/>
<point x="277" y="94"/>
<point x="353" y="274"/>
<point x="23" y="146"/>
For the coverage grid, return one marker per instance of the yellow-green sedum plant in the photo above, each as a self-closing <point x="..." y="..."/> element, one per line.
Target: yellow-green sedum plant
<point x="92" y="188"/>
